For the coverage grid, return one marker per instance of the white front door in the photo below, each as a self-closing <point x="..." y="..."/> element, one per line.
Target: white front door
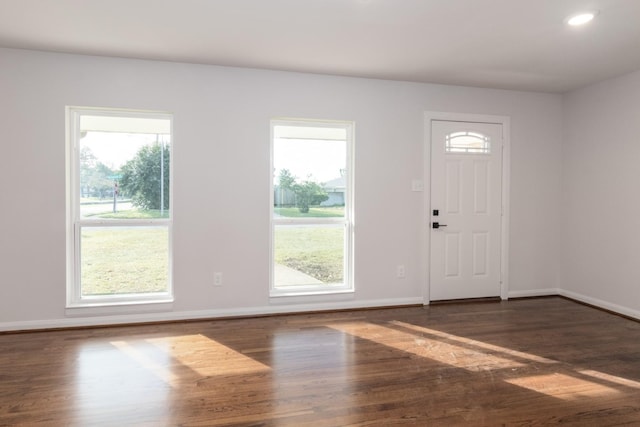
<point x="466" y="210"/>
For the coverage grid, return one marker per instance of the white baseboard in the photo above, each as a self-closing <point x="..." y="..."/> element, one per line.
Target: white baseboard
<point x="73" y="322"/>
<point x="534" y="293"/>
<point x="626" y="311"/>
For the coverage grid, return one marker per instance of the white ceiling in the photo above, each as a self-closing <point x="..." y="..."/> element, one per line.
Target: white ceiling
<point x="509" y="44"/>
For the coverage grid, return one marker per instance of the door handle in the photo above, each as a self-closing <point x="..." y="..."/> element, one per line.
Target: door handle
<point x="437" y="225"/>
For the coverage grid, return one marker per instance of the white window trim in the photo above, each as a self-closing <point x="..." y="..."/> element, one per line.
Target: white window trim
<point x="348" y="283"/>
<point x="75" y="223"/>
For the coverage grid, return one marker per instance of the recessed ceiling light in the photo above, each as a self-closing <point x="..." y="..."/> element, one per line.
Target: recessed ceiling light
<point x="581" y="18"/>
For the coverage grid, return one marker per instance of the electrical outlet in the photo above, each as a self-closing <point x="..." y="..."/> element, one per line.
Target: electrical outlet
<point x="417" y="185"/>
<point x="217" y="279"/>
<point x="400" y="272"/>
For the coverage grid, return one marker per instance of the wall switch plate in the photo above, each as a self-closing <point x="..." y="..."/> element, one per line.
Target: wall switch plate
<point x="217" y="279"/>
<point x="417" y="185"/>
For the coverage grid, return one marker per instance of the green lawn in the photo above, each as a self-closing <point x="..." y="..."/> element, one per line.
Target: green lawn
<point x="91" y="200"/>
<point x="316" y="251"/>
<point x="124" y="260"/>
<point x="121" y="260"/>
<point x="315" y="212"/>
<point x="134" y="214"/>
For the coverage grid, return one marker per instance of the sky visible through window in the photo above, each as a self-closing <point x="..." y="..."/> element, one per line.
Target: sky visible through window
<point x="309" y="152"/>
<point x="318" y="161"/>
<point x="114" y="149"/>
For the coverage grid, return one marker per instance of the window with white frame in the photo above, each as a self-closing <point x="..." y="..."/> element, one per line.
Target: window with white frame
<point x="119" y="207"/>
<point x="311" y="215"/>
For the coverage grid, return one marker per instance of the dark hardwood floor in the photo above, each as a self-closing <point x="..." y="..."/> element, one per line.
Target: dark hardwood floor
<point x="523" y="363"/>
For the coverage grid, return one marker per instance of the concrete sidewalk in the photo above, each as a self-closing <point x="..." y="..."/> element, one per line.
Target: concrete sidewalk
<point x="285" y="276"/>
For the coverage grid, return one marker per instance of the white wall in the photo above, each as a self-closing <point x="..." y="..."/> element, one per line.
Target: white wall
<point x="601" y="164"/>
<point x="221" y="177"/>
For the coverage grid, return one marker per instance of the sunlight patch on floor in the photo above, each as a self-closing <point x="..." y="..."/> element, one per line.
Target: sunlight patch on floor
<point x="461" y="356"/>
<point x="563" y="386"/>
<point x="198" y="353"/>
<point x="520" y="355"/>
<point x="475" y="343"/>
<point x="611" y="378"/>
<point x="208" y="357"/>
<point x="147" y="362"/>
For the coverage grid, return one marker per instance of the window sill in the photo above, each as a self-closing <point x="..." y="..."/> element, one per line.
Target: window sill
<point x="308" y="295"/>
<point x="118" y="307"/>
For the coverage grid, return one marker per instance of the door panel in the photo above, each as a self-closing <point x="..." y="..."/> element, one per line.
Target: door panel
<point x="452" y="254"/>
<point x="480" y="187"/>
<point x="480" y="254"/>
<point x="466" y="190"/>
<point x="452" y="183"/>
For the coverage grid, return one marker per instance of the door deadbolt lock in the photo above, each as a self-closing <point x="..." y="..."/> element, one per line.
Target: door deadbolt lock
<point x="437" y="225"/>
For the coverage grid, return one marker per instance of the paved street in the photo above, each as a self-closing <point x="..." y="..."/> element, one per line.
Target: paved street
<point x="98" y="208"/>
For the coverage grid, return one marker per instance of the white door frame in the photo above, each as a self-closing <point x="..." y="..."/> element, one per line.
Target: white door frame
<point x="505" y="121"/>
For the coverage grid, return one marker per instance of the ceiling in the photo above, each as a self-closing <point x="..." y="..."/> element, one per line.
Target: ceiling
<point x="508" y="44"/>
